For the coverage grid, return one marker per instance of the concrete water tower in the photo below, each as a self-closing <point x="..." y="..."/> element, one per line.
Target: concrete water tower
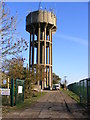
<point x="41" y="25"/>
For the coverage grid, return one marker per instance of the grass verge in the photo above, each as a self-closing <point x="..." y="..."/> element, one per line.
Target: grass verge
<point x="25" y="104"/>
<point x="73" y="96"/>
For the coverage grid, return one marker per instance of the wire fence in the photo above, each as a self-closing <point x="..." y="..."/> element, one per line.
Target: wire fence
<point x="16" y="95"/>
<point x="82" y="89"/>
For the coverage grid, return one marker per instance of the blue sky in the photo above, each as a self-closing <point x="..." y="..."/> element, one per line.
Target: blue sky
<point x="70" y="42"/>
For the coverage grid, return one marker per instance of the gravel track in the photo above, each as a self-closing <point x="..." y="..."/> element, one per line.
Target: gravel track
<point x="54" y="104"/>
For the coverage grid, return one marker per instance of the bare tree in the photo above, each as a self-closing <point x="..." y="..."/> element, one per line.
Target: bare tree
<point x="11" y="44"/>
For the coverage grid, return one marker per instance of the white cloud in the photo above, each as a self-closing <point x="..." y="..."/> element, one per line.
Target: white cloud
<point x="74" y="39"/>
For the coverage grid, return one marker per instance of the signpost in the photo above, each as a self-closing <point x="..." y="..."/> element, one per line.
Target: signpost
<point x="4" y="91"/>
<point x="12" y="92"/>
<point x="19" y="89"/>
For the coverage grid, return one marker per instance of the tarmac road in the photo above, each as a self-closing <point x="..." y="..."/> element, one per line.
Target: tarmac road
<point x="55" y="104"/>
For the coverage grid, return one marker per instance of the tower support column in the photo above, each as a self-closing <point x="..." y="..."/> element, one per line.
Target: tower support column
<point x="47" y="63"/>
<point x="43" y="60"/>
<point x="45" y="55"/>
<point x="33" y="49"/>
<point x="47" y="67"/>
<point x="50" y="77"/>
<point x="38" y="56"/>
<point x="33" y="54"/>
<point x="51" y="61"/>
<point x="47" y="76"/>
<point x="50" y="74"/>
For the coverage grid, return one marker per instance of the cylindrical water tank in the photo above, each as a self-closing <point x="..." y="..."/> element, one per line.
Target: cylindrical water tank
<point x="33" y="17"/>
<point x="49" y="20"/>
<point x="52" y="15"/>
<point x="45" y="16"/>
<point x="40" y="16"/>
<point x="54" y="20"/>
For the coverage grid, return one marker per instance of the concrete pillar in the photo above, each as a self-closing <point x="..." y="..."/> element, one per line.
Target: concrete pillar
<point x="42" y="78"/>
<point x="51" y="77"/>
<point x="33" y="50"/>
<point x="40" y="53"/>
<point x="38" y="50"/>
<point x="47" y="76"/>
<point x="39" y="45"/>
<point x="47" y="55"/>
<point x="43" y="35"/>
<point x="51" y="54"/>
<point x="47" y="67"/>
<point x="50" y="58"/>
<point x="50" y="47"/>
<point x="42" y="60"/>
<point x="43" y="56"/>
<point x="33" y="55"/>
<point x="51" y="61"/>
<point x="47" y="51"/>
<point x="51" y="36"/>
<point x="47" y="63"/>
<point x="50" y="83"/>
<point x="45" y="45"/>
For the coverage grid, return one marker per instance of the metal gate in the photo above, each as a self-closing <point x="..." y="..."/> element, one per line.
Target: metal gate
<point x="19" y="91"/>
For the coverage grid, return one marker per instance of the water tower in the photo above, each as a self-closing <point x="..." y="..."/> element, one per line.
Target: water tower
<point x="41" y="25"/>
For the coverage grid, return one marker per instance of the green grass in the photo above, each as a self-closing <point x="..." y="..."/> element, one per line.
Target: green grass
<point x="6" y="100"/>
<point x="73" y="95"/>
<point x="25" y="104"/>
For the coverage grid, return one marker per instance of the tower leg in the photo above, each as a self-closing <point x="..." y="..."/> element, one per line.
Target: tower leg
<point x="50" y="73"/>
<point x="50" y="84"/>
<point x="47" y="76"/>
<point x="38" y="52"/>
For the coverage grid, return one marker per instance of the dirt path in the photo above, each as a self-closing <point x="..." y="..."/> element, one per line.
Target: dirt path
<point x="55" y="104"/>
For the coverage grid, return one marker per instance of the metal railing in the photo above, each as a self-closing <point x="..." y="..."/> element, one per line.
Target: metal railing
<point x="82" y="89"/>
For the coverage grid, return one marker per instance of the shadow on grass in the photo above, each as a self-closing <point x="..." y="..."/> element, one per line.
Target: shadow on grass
<point x="23" y="105"/>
